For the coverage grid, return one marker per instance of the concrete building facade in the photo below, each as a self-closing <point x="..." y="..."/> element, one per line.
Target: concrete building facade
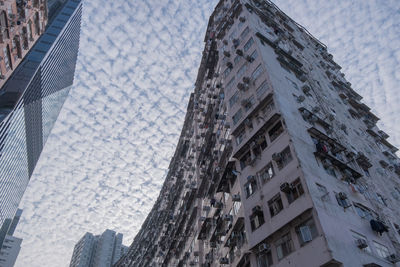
<point x="22" y="22"/>
<point x="98" y="251"/>
<point x="279" y="162"/>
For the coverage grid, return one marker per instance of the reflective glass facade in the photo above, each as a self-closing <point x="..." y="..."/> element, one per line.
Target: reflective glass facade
<point x="31" y="100"/>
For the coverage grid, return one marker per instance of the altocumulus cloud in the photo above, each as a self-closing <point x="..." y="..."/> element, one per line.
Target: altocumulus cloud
<point x="107" y="157"/>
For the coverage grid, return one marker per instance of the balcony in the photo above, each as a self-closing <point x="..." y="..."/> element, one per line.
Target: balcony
<point x="325" y="153"/>
<point x="270" y="116"/>
<point x="265" y="102"/>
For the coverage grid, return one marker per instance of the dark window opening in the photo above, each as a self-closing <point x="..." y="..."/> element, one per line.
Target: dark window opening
<point x="256" y="218"/>
<point x="275" y="205"/>
<point x="296" y="191"/>
<point x="251" y="186"/>
<point x="275" y="131"/>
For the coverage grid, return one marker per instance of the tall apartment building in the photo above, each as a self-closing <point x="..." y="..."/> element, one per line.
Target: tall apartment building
<point x="279" y="162"/>
<point x="30" y="102"/>
<point x="98" y="251"/>
<point x="11" y="245"/>
<point x="21" y="23"/>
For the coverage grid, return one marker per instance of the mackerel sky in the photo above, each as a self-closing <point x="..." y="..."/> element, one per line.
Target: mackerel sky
<point x="107" y="157"/>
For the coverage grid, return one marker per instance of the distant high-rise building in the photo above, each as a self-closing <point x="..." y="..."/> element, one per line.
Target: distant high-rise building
<point x="10" y="245"/>
<point x="279" y="163"/>
<point x="21" y="24"/>
<point x="98" y="251"/>
<point x="31" y="100"/>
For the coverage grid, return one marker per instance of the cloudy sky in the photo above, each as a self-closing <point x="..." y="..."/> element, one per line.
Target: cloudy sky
<point x="107" y="157"/>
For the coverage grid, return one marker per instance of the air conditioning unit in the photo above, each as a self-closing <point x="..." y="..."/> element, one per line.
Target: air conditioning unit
<point x="229" y="65"/>
<point x="326" y="163"/>
<point x="224" y="260"/>
<point x="246" y="79"/>
<point x="236" y="42"/>
<point x="239" y="52"/>
<point x="236" y="198"/>
<point x="286" y="188"/>
<point x="263" y="247"/>
<point x="361" y="243"/>
<point x="228" y="217"/>
<point x="227" y="54"/>
<point x="301" y="98"/>
<point x="316" y="109"/>
<point x="219" y="205"/>
<point x="249" y="58"/>
<point x="241" y="87"/>
<point x="242" y="19"/>
<point x="256" y="209"/>
<point x="196" y="253"/>
<point x="393" y="258"/>
<point x="342" y="195"/>
<point x="306" y="89"/>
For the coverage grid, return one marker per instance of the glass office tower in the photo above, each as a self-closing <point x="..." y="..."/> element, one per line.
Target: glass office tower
<point x="31" y="100"/>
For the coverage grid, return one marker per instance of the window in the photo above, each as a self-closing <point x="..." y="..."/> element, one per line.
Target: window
<point x="275" y="205"/>
<point x="292" y="83"/>
<point x="381" y="199"/>
<point x="244" y="33"/>
<point x="275" y="131"/>
<point x="242" y="70"/>
<point x="232" y="35"/>
<point x="381" y="250"/>
<point x="259" y="145"/>
<point x="284" y="158"/>
<point x="226" y="72"/>
<point x="284" y="246"/>
<point x="257" y="218"/>
<point x="234" y="99"/>
<point x="264" y="259"/>
<point x="358" y="237"/>
<point x="296" y="191"/>
<point x="342" y="200"/>
<point x="240" y="137"/>
<point x="240" y="24"/>
<point x="262" y="89"/>
<point x="363" y="212"/>
<point x="244" y="160"/>
<point x="266" y="173"/>
<point x="306" y="231"/>
<point x="259" y="70"/>
<point x="250" y="102"/>
<point x="230" y="83"/>
<point x="323" y="192"/>
<point x="237" y="116"/>
<point x="254" y="55"/>
<point x="237" y="59"/>
<point x="251" y="186"/>
<point x="249" y="43"/>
